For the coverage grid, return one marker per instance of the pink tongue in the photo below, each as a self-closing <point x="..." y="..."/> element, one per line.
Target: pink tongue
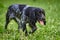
<point x="41" y="22"/>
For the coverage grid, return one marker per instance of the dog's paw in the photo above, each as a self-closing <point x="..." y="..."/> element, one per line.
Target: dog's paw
<point x="30" y="32"/>
<point x="26" y="34"/>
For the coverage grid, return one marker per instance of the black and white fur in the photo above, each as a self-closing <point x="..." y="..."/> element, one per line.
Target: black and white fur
<point x="23" y="14"/>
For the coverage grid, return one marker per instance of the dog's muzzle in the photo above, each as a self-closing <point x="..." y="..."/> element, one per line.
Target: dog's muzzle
<point x="42" y="22"/>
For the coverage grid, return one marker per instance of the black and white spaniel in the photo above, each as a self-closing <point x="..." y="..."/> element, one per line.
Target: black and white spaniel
<point x="23" y="14"/>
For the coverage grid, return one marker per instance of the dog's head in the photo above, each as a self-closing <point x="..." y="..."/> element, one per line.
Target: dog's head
<point x="40" y="16"/>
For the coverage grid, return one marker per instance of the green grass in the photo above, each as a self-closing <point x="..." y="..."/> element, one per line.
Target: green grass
<point x="51" y="31"/>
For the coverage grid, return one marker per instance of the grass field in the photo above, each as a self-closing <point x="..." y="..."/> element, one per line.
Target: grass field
<point x="51" y="31"/>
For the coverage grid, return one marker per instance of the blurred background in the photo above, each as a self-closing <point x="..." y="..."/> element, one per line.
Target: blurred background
<point x="51" y="31"/>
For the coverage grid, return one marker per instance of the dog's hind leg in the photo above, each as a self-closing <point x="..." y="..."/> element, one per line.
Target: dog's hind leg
<point x="9" y="17"/>
<point x="7" y="21"/>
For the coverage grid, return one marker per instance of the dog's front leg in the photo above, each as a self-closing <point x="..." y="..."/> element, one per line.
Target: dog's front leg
<point x="33" y="26"/>
<point x="23" y="24"/>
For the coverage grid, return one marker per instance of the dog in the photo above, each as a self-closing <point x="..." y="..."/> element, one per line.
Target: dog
<point x="23" y="14"/>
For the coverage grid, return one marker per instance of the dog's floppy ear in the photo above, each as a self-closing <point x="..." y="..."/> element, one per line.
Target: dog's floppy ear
<point x="40" y="10"/>
<point x="36" y="10"/>
<point x="43" y="11"/>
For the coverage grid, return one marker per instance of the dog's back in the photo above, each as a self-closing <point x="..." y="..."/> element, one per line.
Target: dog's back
<point x="16" y="7"/>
